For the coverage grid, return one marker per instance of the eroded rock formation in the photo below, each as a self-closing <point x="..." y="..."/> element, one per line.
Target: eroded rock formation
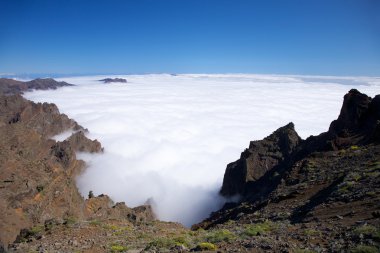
<point x="320" y="194"/>
<point x="357" y="124"/>
<point x="37" y="179"/>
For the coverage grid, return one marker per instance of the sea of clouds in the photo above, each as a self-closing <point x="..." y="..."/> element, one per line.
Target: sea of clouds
<point x="168" y="138"/>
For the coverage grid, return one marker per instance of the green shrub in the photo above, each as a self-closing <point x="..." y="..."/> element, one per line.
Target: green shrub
<point x="355" y="176"/>
<point x="219" y="236"/>
<point x="206" y="246"/>
<point x="374" y="166"/>
<point x="36" y="229"/>
<point x="181" y="240"/>
<point x="346" y="186"/>
<point x="303" y="251"/>
<point x="366" y="230"/>
<point x="161" y="243"/>
<point x="258" y="228"/>
<point x="95" y="223"/>
<point x="111" y="227"/>
<point x="312" y="232"/>
<point x="118" y="248"/>
<point x="69" y="221"/>
<point x="365" y="249"/>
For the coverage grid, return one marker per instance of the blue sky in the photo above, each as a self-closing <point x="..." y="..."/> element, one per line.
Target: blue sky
<point x="323" y="37"/>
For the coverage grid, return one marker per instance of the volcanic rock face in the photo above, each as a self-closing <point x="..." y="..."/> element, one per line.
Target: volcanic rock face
<point x="359" y="120"/>
<point x="12" y="87"/>
<point x="37" y="179"/>
<point x="258" y="159"/>
<point x="320" y="194"/>
<point x="114" y="80"/>
<point x="102" y="208"/>
<point x="357" y="124"/>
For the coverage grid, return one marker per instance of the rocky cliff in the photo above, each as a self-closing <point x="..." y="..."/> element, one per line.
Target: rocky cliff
<point x="357" y="124"/>
<point x="260" y="158"/>
<point x="321" y="194"/>
<point x="37" y="179"/>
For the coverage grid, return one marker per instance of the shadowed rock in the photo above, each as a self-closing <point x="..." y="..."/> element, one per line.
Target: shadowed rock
<point x="328" y="182"/>
<point x="258" y="159"/>
<point x="357" y="124"/>
<point x="103" y="208"/>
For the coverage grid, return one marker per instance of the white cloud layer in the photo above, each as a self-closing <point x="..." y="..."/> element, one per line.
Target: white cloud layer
<point x="170" y="137"/>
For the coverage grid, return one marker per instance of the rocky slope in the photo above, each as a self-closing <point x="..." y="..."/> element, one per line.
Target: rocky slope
<point x="320" y="194"/>
<point x="37" y="179"/>
<point x="12" y="87"/>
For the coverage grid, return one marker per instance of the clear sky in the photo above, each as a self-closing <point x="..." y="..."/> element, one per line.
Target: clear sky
<point x="323" y="37"/>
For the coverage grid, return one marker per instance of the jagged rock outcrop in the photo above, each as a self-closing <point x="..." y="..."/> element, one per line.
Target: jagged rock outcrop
<point x="324" y="196"/>
<point x="43" y="118"/>
<point x="103" y="208"/>
<point x="114" y="80"/>
<point x="358" y="121"/>
<point x="357" y="124"/>
<point x="261" y="157"/>
<point x="12" y="87"/>
<point x="37" y="174"/>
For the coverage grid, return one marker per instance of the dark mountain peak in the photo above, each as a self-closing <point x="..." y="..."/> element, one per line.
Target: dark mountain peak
<point x="357" y="124"/>
<point x="261" y="157"/>
<point x="354" y="107"/>
<point x="329" y="183"/>
<point x="46" y="83"/>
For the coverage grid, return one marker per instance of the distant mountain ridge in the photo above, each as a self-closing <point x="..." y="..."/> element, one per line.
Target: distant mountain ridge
<point x="12" y="86"/>
<point x="114" y="80"/>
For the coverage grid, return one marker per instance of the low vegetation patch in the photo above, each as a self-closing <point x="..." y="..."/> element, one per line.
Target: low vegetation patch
<point x="258" y="228"/>
<point x="95" y="223"/>
<point x="206" y="246"/>
<point x="118" y="248"/>
<point x="365" y="249"/>
<point x="69" y="221"/>
<point x="161" y="243"/>
<point x="312" y="232"/>
<point x="36" y="229"/>
<point x="374" y="166"/>
<point x="220" y="235"/>
<point x="366" y="230"/>
<point x="303" y="251"/>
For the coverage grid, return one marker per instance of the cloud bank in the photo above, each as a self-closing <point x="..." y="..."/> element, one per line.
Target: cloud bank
<point x="169" y="138"/>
